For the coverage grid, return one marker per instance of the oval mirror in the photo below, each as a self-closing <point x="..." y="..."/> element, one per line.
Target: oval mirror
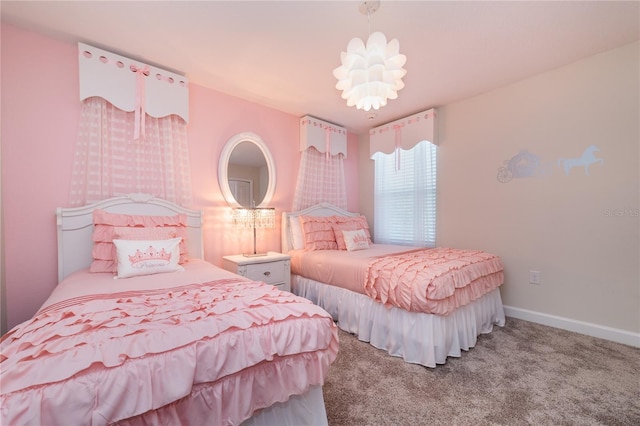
<point x="246" y="172"/>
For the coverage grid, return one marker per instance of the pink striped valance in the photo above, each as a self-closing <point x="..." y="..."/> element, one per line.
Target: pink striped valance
<point x="132" y="85"/>
<point x="323" y="136"/>
<point x="404" y="133"/>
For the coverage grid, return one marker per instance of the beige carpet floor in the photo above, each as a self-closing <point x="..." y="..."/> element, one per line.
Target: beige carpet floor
<point x="520" y="374"/>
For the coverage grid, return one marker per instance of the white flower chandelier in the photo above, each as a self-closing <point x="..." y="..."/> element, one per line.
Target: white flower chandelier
<point x="371" y="74"/>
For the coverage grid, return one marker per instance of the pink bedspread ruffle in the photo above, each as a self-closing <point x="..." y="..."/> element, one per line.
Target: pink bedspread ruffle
<point x="104" y="359"/>
<point x="435" y="281"/>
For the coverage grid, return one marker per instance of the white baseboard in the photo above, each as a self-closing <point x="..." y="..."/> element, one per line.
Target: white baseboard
<point x="594" y="330"/>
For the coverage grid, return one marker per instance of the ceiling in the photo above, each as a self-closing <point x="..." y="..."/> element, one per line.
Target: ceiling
<point x="282" y="53"/>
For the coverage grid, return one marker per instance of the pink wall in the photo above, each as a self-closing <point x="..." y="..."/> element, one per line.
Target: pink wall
<point x="40" y="108"/>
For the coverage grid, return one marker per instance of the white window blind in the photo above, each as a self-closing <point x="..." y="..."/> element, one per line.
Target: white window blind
<point x="405" y="196"/>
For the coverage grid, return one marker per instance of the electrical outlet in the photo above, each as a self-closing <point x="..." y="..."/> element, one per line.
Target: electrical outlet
<point x="534" y="277"/>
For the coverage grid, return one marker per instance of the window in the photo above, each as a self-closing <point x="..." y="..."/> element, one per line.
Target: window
<point x="405" y="196"/>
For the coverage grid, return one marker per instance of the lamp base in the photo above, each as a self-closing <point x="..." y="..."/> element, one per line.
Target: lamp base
<point x="254" y="254"/>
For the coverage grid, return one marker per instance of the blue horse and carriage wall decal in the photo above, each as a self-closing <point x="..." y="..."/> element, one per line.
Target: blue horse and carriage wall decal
<point x="525" y="164"/>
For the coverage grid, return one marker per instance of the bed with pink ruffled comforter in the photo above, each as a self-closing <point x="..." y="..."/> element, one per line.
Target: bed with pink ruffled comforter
<point x="423" y="305"/>
<point x="433" y="281"/>
<point x="207" y="351"/>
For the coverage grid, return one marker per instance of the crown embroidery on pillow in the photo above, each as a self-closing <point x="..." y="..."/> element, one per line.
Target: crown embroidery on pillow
<point x="141" y="259"/>
<point x="360" y="238"/>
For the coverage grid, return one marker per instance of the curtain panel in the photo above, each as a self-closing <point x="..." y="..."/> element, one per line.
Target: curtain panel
<point x="108" y="161"/>
<point x="320" y="179"/>
<point x="321" y="175"/>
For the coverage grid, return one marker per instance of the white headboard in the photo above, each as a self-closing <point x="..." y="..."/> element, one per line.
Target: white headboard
<point x="322" y="209"/>
<point x="75" y="227"/>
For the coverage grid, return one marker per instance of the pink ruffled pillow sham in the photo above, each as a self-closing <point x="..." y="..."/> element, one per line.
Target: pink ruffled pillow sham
<point x="109" y="226"/>
<point x="349" y="224"/>
<point x="318" y="234"/>
<point x="104" y="234"/>
<point x="325" y="233"/>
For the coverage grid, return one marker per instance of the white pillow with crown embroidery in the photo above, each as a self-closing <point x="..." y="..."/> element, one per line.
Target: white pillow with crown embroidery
<point x="355" y="240"/>
<point x="146" y="257"/>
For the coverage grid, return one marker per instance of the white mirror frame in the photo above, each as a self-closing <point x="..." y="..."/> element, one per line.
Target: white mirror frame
<point x="223" y="167"/>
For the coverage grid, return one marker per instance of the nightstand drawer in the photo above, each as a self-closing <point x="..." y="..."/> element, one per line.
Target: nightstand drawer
<point x="270" y="273"/>
<point x="282" y="286"/>
<point x="272" y="268"/>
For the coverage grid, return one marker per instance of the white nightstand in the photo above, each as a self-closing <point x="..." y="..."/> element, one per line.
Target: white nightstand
<point x="272" y="268"/>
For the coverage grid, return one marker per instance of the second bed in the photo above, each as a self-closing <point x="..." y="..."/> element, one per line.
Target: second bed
<point x="452" y="295"/>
